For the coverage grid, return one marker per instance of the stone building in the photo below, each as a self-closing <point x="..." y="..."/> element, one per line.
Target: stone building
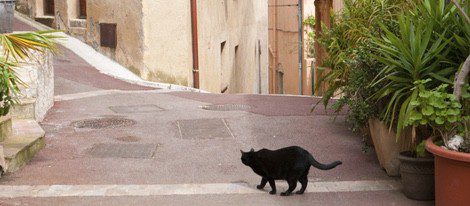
<point x="225" y="50"/>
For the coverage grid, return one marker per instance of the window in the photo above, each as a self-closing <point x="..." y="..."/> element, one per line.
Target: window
<point x="49" y="9"/>
<point x="82" y="9"/>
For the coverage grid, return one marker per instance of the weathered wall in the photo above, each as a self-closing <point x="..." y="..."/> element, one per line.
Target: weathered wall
<point x="38" y="76"/>
<point x="167" y="52"/>
<point x="238" y="65"/>
<point x="240" y="24"/>
<point x="130" y="41"/>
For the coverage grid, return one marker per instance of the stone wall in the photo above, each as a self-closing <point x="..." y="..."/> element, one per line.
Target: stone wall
<point x="37" y="95"/>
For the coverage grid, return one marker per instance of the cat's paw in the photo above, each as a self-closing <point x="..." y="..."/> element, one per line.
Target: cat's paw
<point x="272" y="192"/>
<point x="285" y="194"/>
<point x="260" y="187"/>
<point x="299" y="192"/>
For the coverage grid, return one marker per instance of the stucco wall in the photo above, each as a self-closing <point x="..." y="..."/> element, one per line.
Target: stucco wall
<point x="128" y="17"/>
<point x="168" y="45"/>
<point x="240" y="24"/>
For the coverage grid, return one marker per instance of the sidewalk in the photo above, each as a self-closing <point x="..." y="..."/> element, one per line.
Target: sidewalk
<point x="109" y="142"/>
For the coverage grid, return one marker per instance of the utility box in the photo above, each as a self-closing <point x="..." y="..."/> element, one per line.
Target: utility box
<point x="7" y="8"/>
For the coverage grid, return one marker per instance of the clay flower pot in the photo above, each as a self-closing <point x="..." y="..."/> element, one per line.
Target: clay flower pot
<point x="452" y="175"/>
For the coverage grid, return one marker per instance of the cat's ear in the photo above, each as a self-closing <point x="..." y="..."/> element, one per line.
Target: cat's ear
<point x="252" y="150"/>
<point x="242" y="151"/>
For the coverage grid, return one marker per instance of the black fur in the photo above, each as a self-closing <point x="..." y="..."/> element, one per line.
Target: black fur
<point x="291" y="164"/>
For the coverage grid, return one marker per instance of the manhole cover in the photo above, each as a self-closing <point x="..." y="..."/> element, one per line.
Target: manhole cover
<point x="103" y="123"/>
<point x="138" y="151"/>
<point x="204" y="129"/>
<point x="135" y="109"/>
<point x="227" y="107"/>
<point x="128" y="139"/>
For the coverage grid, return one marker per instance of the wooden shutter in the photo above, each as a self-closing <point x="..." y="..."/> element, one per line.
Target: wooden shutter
<point x="82" y="9"/>
<point x="49" y="8"/>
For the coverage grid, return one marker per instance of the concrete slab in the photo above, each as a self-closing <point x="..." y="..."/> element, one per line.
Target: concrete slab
<point x="139" y="151"/>
<point x="204" y="129"/>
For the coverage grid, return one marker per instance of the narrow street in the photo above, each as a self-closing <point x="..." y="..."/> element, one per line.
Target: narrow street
<point x="109" y="142"/>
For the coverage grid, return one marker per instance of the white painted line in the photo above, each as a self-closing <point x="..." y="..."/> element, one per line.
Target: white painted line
<point x="68" y="97"/>
<point x="101" y="62"/>
<point x="15" y="191"/>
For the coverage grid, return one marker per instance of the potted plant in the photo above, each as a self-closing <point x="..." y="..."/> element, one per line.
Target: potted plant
<point x="447" y="117"/>
<point x="351" y="68"/>
<point x="420" y="62"/>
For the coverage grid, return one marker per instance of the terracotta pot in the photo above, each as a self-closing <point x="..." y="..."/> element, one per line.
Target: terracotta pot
<point x="417" y="176"/>
<point x="387" y="147"/>
<point x="452" y="175"/>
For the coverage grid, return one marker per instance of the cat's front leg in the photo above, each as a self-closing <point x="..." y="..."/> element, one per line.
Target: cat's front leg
<point x="262" y="184"/>
<point x="273" y="186"/>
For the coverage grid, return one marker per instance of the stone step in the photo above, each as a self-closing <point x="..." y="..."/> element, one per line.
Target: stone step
<point x="26" y="140"/>
<point x="5" y="127"/>
<point x="78" y="23"/>
<point x="46" y="20"/>
<point x="25" y="109"/>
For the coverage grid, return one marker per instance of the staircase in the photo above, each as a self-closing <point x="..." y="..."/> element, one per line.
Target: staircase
<point x="21" y="137"/>
<point x="21" y="140"/>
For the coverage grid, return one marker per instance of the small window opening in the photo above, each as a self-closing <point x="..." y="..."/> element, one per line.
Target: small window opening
<point x="82" y="11"/>
<point x="49" y="8"/>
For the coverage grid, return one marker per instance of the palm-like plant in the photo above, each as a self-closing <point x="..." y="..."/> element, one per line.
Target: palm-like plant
<point x="18" y="48"/>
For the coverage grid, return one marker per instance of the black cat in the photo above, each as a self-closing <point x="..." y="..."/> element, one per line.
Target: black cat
<point x="291" y="164"/>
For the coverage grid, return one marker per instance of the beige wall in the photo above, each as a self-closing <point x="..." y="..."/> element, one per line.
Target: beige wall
<point x="128" y="17"/>
<point x="168" y="46"/>
<point x="154" y="39"/>
<point x="240" y="24"/>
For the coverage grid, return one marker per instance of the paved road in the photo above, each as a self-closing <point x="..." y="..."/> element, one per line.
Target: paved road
<point x="113" y="143"/>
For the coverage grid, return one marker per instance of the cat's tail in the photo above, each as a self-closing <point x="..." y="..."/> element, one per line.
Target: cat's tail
<point x="321" y="166"/>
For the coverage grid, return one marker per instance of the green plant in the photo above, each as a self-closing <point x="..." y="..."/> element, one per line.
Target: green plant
<point x="310" y="23"/>
<point x="409" y="56"/>
<point x="350" y="65"/>
<point x="438" y="109"/>
<point x="18" y="48"/>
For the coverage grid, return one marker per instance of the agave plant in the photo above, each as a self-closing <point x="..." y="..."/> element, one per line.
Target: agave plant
<point x="16" y="49"/>
<point x="432" y="42"/>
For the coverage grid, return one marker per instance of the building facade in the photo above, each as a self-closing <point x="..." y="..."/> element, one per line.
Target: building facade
<point x="154" y="39"/>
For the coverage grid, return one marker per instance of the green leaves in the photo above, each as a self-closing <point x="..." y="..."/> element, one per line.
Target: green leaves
<point x="436" y="108"/>
<point x="417" y="56"/>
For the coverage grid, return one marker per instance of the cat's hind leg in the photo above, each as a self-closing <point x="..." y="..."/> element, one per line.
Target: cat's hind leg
<point x="304" y="181"/>
<point x="292" y="184"/>
<point x="273" y="186"/>
<point x="262" y="184"/>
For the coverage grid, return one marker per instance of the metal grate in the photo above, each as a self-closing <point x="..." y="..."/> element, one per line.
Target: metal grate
<point x="136" y="109"/>
<point x="227" y="107"/>
<point x="103" y="123"/>
<point x="108" y="35"/>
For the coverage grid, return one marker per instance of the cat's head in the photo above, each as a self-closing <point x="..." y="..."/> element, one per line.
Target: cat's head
<point x="247" y="157"/>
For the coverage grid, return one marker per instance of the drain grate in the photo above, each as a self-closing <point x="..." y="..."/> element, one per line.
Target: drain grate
<point x="103" y="123"/>
<point x="136" y="109"/>
<point x="128" y="139"/>
<point x="227" y="107"/>
<point x="137" y="151"/>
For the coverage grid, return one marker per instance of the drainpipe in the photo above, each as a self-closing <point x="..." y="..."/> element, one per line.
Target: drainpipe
<point x="195" y="44"/>
<point x="301" y="44"/>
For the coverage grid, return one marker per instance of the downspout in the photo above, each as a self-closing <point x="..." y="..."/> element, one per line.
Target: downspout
<point x="301" y="44"/>
<point x="195" y="44"/>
